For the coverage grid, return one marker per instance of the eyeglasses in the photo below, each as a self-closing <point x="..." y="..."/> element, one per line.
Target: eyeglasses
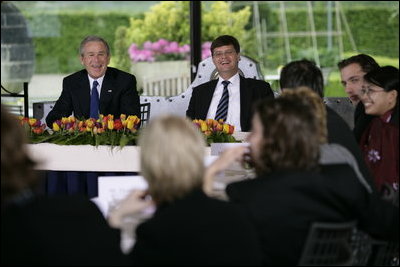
<point x="368" y="91"/>
<point x="220" y="54"/>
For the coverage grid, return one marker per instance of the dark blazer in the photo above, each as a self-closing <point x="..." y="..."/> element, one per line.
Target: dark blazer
<point x="361" y="121"/>
<point x="251" y="90"/>
<point x="58" y="231"/>
<point x="196" y="230"/>
<point x="283" y="205"/>
<point x="339" y="132"/>
<point x="118" y="96"/>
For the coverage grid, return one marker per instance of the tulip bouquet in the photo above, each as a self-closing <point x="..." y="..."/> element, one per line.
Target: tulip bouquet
<point x="216" y="131"/>
<point x="72" y="131"/>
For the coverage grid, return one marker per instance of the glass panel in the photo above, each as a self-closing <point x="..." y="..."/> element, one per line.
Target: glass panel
<point x="151" y="38"/>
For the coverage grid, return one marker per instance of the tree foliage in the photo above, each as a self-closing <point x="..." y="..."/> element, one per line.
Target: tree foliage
<point x="170" y="20"/>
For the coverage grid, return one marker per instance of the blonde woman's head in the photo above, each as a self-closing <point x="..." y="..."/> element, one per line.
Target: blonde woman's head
<point x="172" y="157"/>
<point x="313" y="100"/>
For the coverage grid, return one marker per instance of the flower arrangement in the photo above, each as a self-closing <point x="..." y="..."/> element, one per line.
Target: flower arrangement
<point x="216" y="131"/>
<point x="72" y="131"/>
<point x="164" y="50"/>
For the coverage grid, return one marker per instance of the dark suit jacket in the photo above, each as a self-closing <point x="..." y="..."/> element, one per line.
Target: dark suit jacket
<point x="196" y="230"/>
<point x="284" y="204"/>
<point x="118" y="96"/>
<point x="339" y="132"/>
<point x="361" y="121"/>
<point x="58" y="231"/>
<point x="251" y="90"/>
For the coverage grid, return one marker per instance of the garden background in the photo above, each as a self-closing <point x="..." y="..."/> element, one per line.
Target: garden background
<point x="58" y="27"/>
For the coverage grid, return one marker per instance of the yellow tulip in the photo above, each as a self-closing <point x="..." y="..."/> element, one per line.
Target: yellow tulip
<point x="130" y="124"/>
<point x="226" y="128"/>
<point x="110" y="124"/>
<point x="89" y="123"/>
<point x="32" y="121"/>
<point x="203" y="126"/>
<point x="56" y="128"/>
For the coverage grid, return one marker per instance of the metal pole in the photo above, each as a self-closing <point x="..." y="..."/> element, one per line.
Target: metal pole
<point x="329" y="24"/>
<point x="26" y="100"/>
<point x="195" y="37"/>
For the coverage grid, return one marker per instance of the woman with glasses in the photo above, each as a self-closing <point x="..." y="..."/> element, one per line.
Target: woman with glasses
<point x="380" y="140"/>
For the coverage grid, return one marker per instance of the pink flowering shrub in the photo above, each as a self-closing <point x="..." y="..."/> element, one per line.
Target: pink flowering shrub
<point x="163" y="50"/>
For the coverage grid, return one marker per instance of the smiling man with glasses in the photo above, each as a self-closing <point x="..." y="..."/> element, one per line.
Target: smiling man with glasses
<point x="231" y="97"/>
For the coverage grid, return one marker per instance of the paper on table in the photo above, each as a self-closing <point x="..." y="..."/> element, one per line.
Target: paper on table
<point x="218" y="148"/>
<point x="113" y="189"/>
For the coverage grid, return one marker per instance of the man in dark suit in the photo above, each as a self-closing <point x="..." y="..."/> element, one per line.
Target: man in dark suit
<point x="305" y="73"/>
<point x="352" y="71"/>
<point x="241" y="92"/>
<point x="115" y="93"/>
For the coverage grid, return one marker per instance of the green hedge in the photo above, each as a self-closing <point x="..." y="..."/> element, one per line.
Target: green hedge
<point x="57" y="37"/>
<point x="375" y="31"/>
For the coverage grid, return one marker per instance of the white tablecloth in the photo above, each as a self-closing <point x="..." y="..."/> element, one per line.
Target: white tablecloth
<point x="90" y="158"/>
<point x="87" y="158"/>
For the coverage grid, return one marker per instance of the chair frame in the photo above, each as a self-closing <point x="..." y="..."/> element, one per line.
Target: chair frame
<point x="328" y="244"/>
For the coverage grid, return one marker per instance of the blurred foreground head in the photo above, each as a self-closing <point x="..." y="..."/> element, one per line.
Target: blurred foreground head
<point x="172" y="157"/>
<point x="314" y="102"/>
<point x="17" y="172"/>
<point x="285" y="136"/>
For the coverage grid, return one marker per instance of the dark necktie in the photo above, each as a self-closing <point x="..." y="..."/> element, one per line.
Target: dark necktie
<point x="222" y="109"/>
<point x="94" y="101"/>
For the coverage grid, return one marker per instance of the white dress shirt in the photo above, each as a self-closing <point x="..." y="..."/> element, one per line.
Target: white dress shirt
<point x="233" y="117"/>
<point x="99" y="80"/>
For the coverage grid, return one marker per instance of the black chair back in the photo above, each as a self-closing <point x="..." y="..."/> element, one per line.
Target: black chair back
<point x="328" y="244"/>
<point x="144" y="113"/>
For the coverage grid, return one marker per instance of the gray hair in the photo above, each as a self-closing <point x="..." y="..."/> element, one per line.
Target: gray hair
<point x="93" y="38"/>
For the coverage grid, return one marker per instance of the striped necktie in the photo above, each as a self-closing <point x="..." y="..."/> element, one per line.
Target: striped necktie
<point x="94" y="101"/>
<point x="222" y="109"/>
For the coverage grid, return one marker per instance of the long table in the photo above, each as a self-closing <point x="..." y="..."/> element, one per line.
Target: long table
<point x="74" y="169"/>
<point x="85" y="158"/>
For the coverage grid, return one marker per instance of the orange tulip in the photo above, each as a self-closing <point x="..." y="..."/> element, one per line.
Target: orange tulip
<point x="207" y="133"/>
<point x="231" y="129"/>
<point x="38" y="130"/>
<point x="210" y="122"/>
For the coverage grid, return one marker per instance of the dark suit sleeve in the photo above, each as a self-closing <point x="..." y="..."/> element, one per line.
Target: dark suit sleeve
<point x="265" y="91"/>
<point x="190" y="112"/>
<point x="361" y="121"/>
<point x="62" y="108"/>
<point x="130" y="102"/>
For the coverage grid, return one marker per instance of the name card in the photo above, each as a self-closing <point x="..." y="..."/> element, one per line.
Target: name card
<point x="218" y="148"/>
<point x="113" y="189"/>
